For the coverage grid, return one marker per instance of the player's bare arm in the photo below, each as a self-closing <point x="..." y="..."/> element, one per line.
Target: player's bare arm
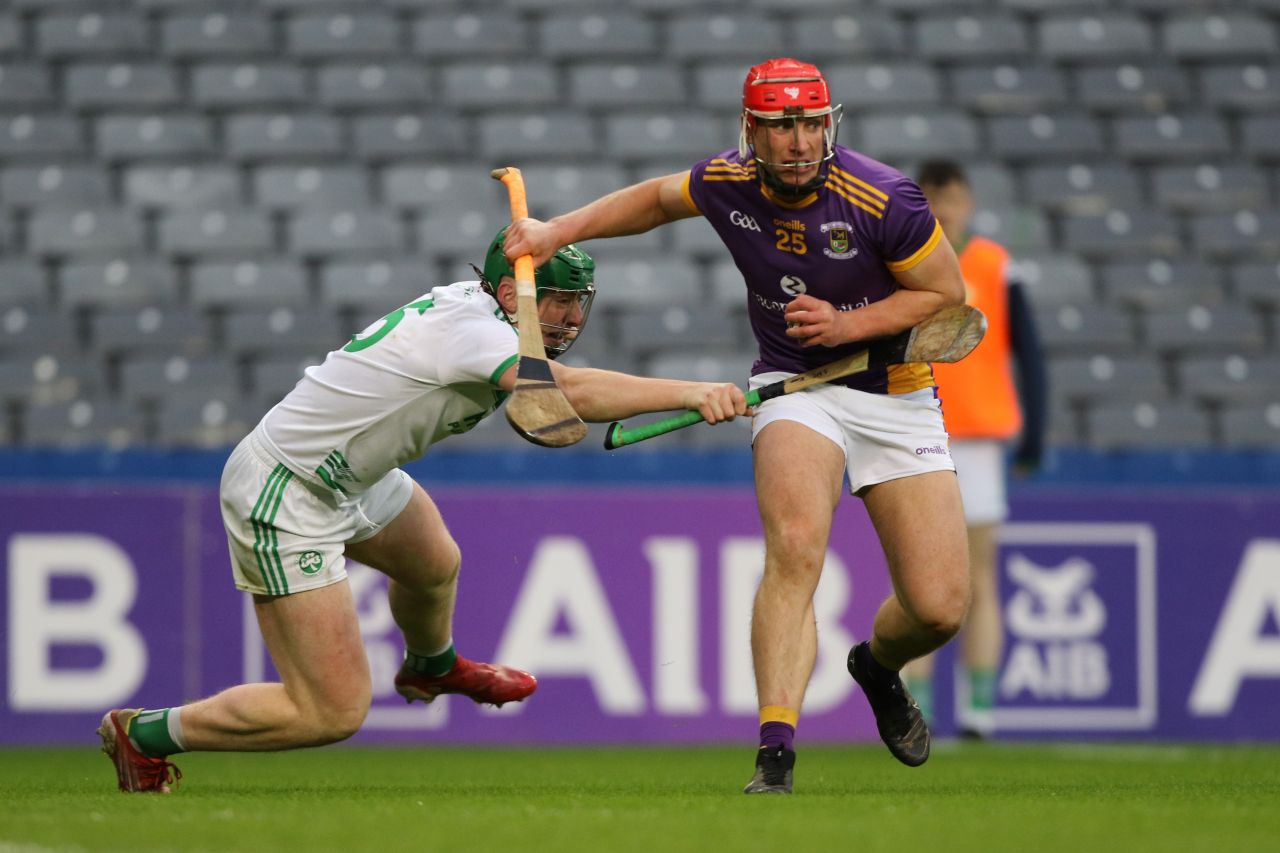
<point x="630" y="210"/>
<point x="926" y="288"/>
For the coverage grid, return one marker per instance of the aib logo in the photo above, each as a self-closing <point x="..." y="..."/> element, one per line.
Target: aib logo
<point x="743" y="221"/>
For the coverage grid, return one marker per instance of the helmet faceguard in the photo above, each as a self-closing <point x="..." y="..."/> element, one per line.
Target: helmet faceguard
<point x="789" y="91"/>
<point x="568" y="278"/>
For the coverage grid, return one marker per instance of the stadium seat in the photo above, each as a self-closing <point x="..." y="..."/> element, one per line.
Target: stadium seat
<point x="1204" y="328"/>
<point x="25" y="85"/>
<point x="631" y="278"/>
<point x="1129" y="88"/>
<point x="70" y="184"/>
<point x="232" y="283"/>
<point x="696" y="238"/>
<point x="1253" y="86"/>
<point x="1092" y="38"/>
<point x="373" y="84"/>
<point x="282" y="329"/>
<point x="11" y="34"/>
<point x="199" y="417"/>
<point x="619" y="85"/>
<point x="154" y="329"/>
<point x="215" y="34"/>
<point x="117" y="281"/>
<point x="27" y="328"/>
<point x="1122" y="233"/>
<point x="703" y="365"/>
<point x="1043" y="137"/>
<point x="137" y="85"/>
<point x="462" y="231"/>
<point x="155" y="377"/>
<point x="469" y="85"/>
<point x="880" y="86"/>
<point x="674" y="133"/>
<point x="838" y="35"/>
<point x="24" y="283"/>
<point x="558" y="188"/>
<point x="430" y="184"/>
<point x="959" y="37"/>
<point x="409" y="135"/>
<point x="1101" y="377"/>
<point x="1171" y="137"/>
<point x="42" y="375"/>
<point x="1083" y="189"/>
<point x="272" y="376"/>
<point x="649" y="331"/>
<point x="1009" y="88"/>
<point x="259" y="136"/>
<point x="290" y="186"/>
<point x="1161" y="283"/>
<point x="542" y="134"/>
<point x="702" y="35"/>
<point x="469" y="34"/>
<point x="43" y="134"/>
<point x="200" y="231"/>
<point x="91" y="33"/>
<point x="385" y="282"/>
<point x="1207" y="188"/>
<point x="88" y="420"/>
<point x="1085" y="328"/>
<point x="914" y="135"/>
<point x="1260" y="138"/>
<point x="1052" y="278"/>
<point x="1147" y="424"/>
<point x="614" y="34"/>
<point x="1238" y="235"/>
<point x="248" y="84"/>
<point x="65" y="231"/>
<point x="357" y="31"/>
<point x="1255" y="425"/>
<point x="328" y="231"/>
<point x="163" y="136"/>
<point x="1019" y="229"/>
<point x="165" y="186"/>
<point x="1234" y="35"/>
<point x="1236" y="377"/>
<point x="1259" y="283"/>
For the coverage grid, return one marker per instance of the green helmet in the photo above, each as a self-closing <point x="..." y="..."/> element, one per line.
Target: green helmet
<point x="569" y="270"/>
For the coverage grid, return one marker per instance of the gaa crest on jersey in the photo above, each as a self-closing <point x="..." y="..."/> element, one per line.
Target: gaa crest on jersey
<point x="838" y="241"/>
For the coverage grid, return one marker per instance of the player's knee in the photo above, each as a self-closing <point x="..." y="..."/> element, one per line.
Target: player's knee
<point x="339" y="722"/>
<point x="942" y="618"/>
<point x="797" y="546"/>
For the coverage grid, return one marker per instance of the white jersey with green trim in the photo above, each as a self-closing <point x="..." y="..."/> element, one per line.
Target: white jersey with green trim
<point x="422" y="373"/>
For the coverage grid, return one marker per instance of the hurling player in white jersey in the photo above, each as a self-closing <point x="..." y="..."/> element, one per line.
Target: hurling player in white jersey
<point x="319" y="478"/>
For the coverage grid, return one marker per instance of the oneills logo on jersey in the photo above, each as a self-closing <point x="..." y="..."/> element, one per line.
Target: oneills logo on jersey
<point x="838" y="241"/>
<point x="857" y="192"/>
<point x="721" y="169"/>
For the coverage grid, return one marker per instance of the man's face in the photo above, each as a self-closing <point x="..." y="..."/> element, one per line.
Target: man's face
<point x="783" y="143"/>
<point x="953" y="205"/>
<point x="561" y="313"/>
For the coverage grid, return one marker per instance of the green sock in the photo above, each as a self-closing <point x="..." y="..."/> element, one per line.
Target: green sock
<point x="150" y="733"/>
<point x="922" y="690"/>
<point x="434" y="665"/>
<point x="982" y="689"/>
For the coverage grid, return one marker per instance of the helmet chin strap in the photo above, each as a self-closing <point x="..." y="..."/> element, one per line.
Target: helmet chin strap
<point x="787" y="191"/>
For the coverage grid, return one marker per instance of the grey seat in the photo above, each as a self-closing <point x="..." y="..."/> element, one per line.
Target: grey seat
<point x="1122" y="233"/>
<point x="549" y="134"/>
<point x="700" y="35"/>
<point x="24" y="283"/>
<point x="47" y="376"/>
<point x="26" y="328"/>
<point x="1235" y="377"/>
<point x="85" y="421"/>
<point x="647" y="331"/>
<point x="387" y="281"/>
<point x="1253" y="86"/>
<point x="703" y="365"/>
<point x="165" y="136"/>
<point x="1254" y="425"/>
<point x="1162" y="283"/>
<point x="1204" y="328"/>
<point x="42" y="134"/>
<point x="1234" y="35"/>
<point x="429" y="184"/>
<point x="498" y="84"/>
<point x="1085" y="328"/>
<point x="359" y="32"/>
<point x="1171" y="137"/>
<point x="694" y="237"/>
<point x="978" y="35"/>
<point x="213" y="231"/>
<point x="1133" y="87"/>
<point x="469" y="34"/>
<point x="1019" y="229"/>
<point x="1093" y="37"/>
<point x="837" y="35"/>
<point x="556" y="188"/>
<point x="267" y="282"/>
<point x="881" y="85"/>
<point x="117" y="281"/>
<point x="1260" y="138"/>
<point x="618" y="84"/>
<point x="373" y="84"/>
<point x="319" y="231"/>
<point x="1053" y="278"/>
<point x="1148" y="424"/>
<point x="139" y="85"/>
<point x="252" y="83"/>
<point x="1009" y="88"/>
<point x="282" y="329"/>
<point x="1101" y="377"/>
<point x="25" y="85"/>
<point x="1082" y="188"/>
<point x="914" y="136"/>
<point x="629" y="278"/>
<point x="156" y="329"/>
<point x="1231" y="236"/>
<point x="258" y="136"/>
<point x="1207" y="188"/>
<point x="91" y="33"/>
<point x="407" y="135"/>
<point x="197" y="417"/>
<point x="11" y="33"/>
<point x="152" y="378"/>
<point x="675" y="133"/>
<point x="71" y="184"/>
<point x="272" y="376"/>
<point x="615" y="34"/>
<point x="165" y="186"/>
<point x="1042" y="137"/>
<point x="1259" y="283"/>
<point x="292" y="186"/>
<point x="460" y="231"/>
<point x="63" y="231"/>
<point x="215" y="34"/>
<point x="718" y="86"/>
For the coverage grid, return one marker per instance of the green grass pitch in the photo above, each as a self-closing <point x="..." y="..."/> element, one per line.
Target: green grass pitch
<point x="979" y="797"/>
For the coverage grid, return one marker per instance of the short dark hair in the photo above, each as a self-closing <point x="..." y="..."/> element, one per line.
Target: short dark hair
<point x="940" y="173"/>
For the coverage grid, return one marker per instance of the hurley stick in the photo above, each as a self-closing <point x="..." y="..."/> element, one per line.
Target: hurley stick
<point x="537" y="409"/>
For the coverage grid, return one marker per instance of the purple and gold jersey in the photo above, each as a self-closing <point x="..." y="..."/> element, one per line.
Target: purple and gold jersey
<point x="841" y="244"/>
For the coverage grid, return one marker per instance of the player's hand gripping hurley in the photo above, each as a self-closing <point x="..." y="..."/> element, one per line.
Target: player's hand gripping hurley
<point x="537" y="409"/>
<point x="947" y="336"/>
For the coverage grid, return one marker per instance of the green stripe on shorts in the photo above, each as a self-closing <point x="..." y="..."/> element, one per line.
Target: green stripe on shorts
<point x="266" y="544"/>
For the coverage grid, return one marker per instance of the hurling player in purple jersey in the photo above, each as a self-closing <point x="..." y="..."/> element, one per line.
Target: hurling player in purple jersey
<point x="835" y="249"/>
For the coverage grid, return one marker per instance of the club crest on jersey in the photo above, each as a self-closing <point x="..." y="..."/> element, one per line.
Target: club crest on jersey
<point x="838" y="241"/>
<point x="742" y="220"/>
<point x="310" y="562"/>
<point x="793" y="285"/>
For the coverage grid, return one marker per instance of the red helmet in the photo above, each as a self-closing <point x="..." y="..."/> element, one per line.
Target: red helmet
<point x="778" y="88"/>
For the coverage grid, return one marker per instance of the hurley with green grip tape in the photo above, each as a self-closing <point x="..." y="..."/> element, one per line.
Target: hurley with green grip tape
<point x="947" y="336"/>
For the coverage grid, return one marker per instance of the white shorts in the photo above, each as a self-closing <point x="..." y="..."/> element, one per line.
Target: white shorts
<point x="288" y="535"/>
<point x="884" y="437"/>
<point x="981" y="471"/>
